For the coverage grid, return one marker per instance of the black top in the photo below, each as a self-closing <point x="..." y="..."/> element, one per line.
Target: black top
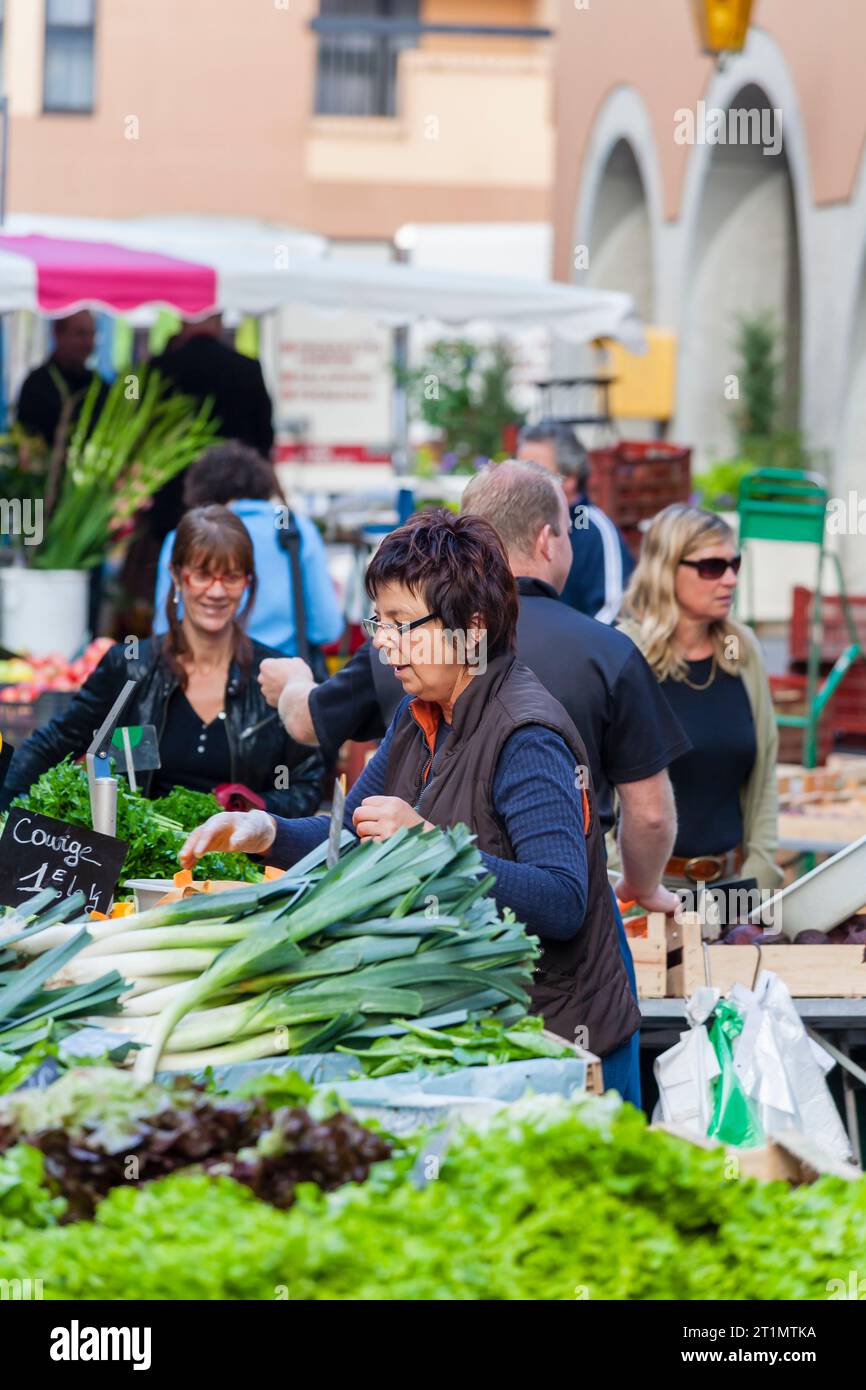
<point x="202" y="367"/>
<point x="708" y="780"/>
<point x="595" y="672"/>
<point x="43" y="393"/>
<point x="193" y="754"/>
<point x="261" y="752"/>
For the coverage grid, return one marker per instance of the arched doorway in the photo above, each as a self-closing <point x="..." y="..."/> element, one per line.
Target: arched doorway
<point x="744" y="262"/>
<point x="619" y="247"/>
<point x="850" y="474"/>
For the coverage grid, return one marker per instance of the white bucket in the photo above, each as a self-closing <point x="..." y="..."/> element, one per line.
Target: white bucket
<point x="44" y="611"/>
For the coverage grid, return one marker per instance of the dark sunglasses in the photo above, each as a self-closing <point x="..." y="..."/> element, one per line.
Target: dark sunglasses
<point x="715" y="566"/>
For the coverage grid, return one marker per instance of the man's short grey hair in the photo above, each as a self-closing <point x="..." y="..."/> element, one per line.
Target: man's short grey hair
<point x="571" y="456"/>
<point x="519" y="499"/>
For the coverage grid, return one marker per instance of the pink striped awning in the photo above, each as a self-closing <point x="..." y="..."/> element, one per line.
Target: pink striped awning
<point x="56" y="276"/>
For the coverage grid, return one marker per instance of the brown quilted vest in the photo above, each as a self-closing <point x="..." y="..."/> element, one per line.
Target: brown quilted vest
<point x="581" y="987"/>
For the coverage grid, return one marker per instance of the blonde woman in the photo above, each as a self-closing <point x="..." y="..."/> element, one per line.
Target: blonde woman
<point x="677" y="609"/>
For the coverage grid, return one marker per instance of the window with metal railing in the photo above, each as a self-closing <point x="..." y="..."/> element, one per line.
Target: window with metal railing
<point x="70" y="31"/>
<point x="360" y="42"/>
<point x="356" y="72"/>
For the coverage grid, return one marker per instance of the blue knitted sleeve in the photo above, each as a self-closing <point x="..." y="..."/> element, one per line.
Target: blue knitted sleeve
<point x="535" y="797"/>
<point x="295" y="838"/>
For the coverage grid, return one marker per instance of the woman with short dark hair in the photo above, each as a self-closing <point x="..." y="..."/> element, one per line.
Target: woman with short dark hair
<point x="196" y="684"/>
<point x="477" y="739"/>
<point x="235" y="476"/>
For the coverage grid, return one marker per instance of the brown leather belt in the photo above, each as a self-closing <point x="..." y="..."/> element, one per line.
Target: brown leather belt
<point x="705" y="868"/>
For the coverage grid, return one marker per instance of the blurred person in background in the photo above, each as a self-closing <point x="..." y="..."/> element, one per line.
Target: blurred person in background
<point x="677" y="609"/>
<point x="480" y="743"/>
<point x="196" y="684"/>
<point x="233" y="475"/>
<point x="601" y="560"/>
<point x="199" y="365"/>
<point x="62" y="380"/>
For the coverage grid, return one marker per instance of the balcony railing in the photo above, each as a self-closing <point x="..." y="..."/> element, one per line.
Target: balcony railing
<point x="356" y="73"/>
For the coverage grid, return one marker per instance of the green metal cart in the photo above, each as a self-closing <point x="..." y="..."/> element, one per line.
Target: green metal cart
<point x="781" y="504"/>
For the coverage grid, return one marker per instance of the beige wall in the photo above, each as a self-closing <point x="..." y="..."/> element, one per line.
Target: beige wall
<point x="222" y="93"/>
<point x="652" y="47"/>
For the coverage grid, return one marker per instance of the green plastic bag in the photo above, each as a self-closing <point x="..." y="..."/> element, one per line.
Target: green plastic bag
<point x="734" y="1120"/>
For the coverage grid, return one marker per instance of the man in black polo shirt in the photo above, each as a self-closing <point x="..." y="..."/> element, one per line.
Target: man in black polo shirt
<point x="63" y="378"/>
<point x="596" y="673"/>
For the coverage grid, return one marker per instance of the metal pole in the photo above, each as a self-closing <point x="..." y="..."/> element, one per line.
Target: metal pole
<point x="4" y="152"/>
<point x="400" y="417"/>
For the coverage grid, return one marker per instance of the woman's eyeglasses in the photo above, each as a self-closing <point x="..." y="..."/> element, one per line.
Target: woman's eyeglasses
<point x="372" y="625"/>
<point x="715" y="566"/>
<point x="199" y="581"/>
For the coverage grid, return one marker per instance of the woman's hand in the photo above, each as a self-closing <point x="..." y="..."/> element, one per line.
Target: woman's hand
<point x="377" y="817"/>
<point x="241" y="832"/>
<point x="277" y="672"/>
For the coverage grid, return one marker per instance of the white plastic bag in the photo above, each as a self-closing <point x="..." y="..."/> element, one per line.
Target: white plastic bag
<point x="782" y="1069"/>
<point x="684" y="1073"/>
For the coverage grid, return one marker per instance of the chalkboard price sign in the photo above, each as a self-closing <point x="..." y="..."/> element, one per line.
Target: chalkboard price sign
<point x="38" y="852"/>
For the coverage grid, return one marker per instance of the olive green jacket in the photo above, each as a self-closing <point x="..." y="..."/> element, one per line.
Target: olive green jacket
<point x="759" y="796"/>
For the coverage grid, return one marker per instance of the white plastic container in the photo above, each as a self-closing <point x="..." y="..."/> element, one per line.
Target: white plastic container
<point x="43" y="611"/>
<point x="821" y="899"/>
<point x="148" y="891"/>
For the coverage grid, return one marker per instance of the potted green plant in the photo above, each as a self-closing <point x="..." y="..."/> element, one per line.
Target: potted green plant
<point x="142" y="438"/>
<point x="463" y="392"/>
<point x="763" y="441"/>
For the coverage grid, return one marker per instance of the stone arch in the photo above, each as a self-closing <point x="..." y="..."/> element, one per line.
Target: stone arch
<point x="747" y="210"/>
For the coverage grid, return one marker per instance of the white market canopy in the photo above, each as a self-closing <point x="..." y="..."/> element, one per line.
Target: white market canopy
<point x="198" y="266"/>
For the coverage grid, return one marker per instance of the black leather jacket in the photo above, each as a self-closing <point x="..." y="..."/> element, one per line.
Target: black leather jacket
<point x="254" y="760"/>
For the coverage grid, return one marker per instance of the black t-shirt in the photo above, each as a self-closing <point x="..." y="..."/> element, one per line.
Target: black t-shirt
<point x="708" y="780"/>
<point x="597" y="674"/>
<point x="42" y="395"/>
<point x="193" y="754"/>
<point x="206" y="367"/>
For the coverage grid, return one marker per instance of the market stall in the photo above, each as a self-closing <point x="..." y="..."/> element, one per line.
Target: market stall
<point x="262" y="1185"/>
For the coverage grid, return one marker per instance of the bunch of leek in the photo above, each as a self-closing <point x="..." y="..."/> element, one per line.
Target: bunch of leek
<point x="394" y="931"/>
<point x="28" y="1002"/>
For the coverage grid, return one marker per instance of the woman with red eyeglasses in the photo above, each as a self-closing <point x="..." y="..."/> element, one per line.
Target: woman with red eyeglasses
<point x="197" y="685"/>
<point x="677" y="608"/>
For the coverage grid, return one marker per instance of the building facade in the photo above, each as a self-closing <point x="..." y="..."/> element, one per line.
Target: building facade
<point x="391" y="111"/>
<point x="713" y="193"/>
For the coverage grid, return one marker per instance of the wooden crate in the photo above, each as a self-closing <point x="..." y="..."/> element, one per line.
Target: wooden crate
<point x="594" y="1076"/>
<point x="788" y="1157"/>
<point x="838" y="824"/>
<point x="649" y="950"/>
<point x="811" y="972"/>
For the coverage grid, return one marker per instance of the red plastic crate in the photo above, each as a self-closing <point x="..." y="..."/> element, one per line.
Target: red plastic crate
<point x="847" y="714"/>
<point x="834" y="630"/>
<point x="633" y="480"/>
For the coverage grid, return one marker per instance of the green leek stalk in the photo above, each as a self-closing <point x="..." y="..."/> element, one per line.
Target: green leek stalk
<point x="164" y="938"/>
<point x="150" y="994"/>
<point x="132" y="964"/>
<point x="247" y="1050"/>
